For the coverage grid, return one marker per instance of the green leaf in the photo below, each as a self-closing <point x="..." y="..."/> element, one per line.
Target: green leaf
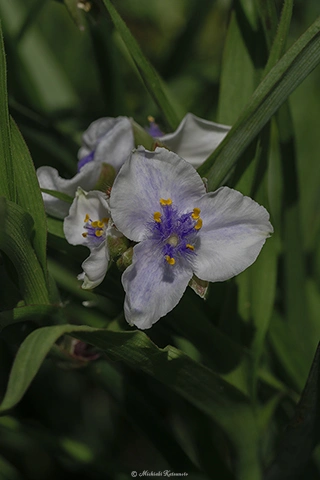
<point x="77" y="15"/>
<point x="28" y="192"/>
<point x="302" y="432"/>
<point x="238" y="79"/>
<point x="39" y="74"/>
<point x="29" y="312"/>
<point x="30" y="18"/>
<point x="283" y="78"/>
<point x="7" y="185"/>
<point x="257" y="289"/>
<point x="15" y="233"/>
<point x="19" y="180"/>
<point x="228" y="407"/>
<point x="148" y="74"/>
<point x="55" y="227"/>
<point x="54" y="193"/>
<point x="276" y="35"/>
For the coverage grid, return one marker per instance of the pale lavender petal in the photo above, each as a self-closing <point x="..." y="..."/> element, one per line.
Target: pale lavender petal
<point x="146" y="178"/>
<point x="50" y="179"/>
<point x="84" y="160"/>
<point x="234" y="230"/>
<point x="153" y="287"/>
<point x="92" y="203"/>
<point x="95" y="267"/>
<point x="195" y="139"/>
<point x="111" y="140"/>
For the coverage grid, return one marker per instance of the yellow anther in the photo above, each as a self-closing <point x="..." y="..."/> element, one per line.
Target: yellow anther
<point x="198" y="225"/>
<point x="98" y="233"/>
<point x="196" y="213"/>
<point x="157" y="216"/>
<point x="85" y="234"/>
<point x="150" y="118"/>
<point x="86" y="218"/>
<point x="100" y="224"/>
<point x="95" y="224"/>
<point x="105" y="220"/>
<point x="170" y="260"/>
<point x="163" y="201"/>
<point x="191" y="247"/>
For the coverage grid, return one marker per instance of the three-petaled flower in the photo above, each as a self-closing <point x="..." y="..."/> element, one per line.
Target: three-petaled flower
<point x="110" y="141"/>
<point x="159" y="201"/>
<point x="106" y="141"/>
<point x="89" y="224"/>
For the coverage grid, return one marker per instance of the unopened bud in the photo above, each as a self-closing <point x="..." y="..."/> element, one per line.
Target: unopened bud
<point x="125" y="260"/>
<point x="117" y="245"/>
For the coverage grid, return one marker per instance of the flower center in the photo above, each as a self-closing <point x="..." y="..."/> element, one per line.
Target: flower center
<point x="176" y="232"/>
<point x="95" y="230"/>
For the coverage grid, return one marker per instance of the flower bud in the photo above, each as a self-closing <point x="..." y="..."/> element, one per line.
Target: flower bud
<point x="125" y="260"/>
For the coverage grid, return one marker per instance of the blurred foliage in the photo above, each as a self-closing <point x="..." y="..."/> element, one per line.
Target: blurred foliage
<point x="212" y="387"/>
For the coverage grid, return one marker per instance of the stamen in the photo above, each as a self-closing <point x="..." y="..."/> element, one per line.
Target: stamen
<point x="157" y="217"/>
<point x="198" y="225"/>
<point x="191" y="247"/>
<point x="196" y="213"/>
<point x="150" y="118"/>
<point x="170" y="260"/>
<point x="163" y="201"/>
<point x="94" y="229"/>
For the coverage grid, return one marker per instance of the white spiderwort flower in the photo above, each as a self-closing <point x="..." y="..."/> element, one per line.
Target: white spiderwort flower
<point x="195" y="139"/>
<point x="159" y="200"/>
<point x="89" y="224"/>
<point x="107" y="140"/>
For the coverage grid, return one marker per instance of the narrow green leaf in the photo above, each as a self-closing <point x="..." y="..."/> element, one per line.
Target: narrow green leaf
<point x="15" y="233"/>
<point x="29" y="312"/>
<point x="19" y="178"/>
<point x="149" y="76"/>
<point x="43" y="81"/>
<point x="28" y="192"/>
<point x="77" y="15"/>
<point x="293" y="348"/>
<point x="7" y="185"/>
<point x="238" y="80"/>
<point x="283" y="78"/>
<point x="179" y="56"/>
<point x="55" y="227"/>
<point x="269" y="21"/>
<point x="30" y="18"/>
<point x="199" y="385"/>
<point x="302" y="433"/>
<point x="56" y="194"/>
<point x="263" y="280"/>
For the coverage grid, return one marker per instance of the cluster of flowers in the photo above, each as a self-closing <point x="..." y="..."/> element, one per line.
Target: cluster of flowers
<point x="151" y="210"/>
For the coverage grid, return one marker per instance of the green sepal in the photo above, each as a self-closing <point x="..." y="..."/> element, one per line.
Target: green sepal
<point x="106" y="178"/>
<point x="200" y="287"/>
